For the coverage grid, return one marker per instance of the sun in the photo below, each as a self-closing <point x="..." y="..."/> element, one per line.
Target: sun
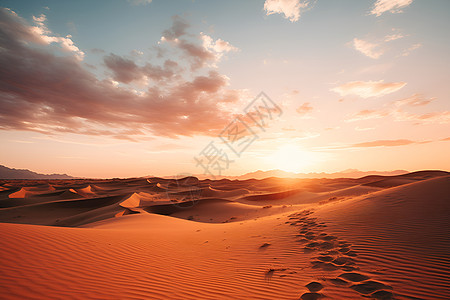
<point x="291" y="158"/>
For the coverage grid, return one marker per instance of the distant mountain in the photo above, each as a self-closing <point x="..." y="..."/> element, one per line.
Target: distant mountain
<point x="350" y="173"/>
<point x="9" y="173"/>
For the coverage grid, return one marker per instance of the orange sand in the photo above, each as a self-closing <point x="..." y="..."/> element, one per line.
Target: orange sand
<point x="370" y="238"/>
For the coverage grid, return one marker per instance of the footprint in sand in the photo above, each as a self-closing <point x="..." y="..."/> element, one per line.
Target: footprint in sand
<point x="382" y="295"/>
<point x="311" y="296"/>
<point x="325" y="258"/>
<point x="326" y="237"/>
<point x="314" y="286"/>
<point x="338" y="281"/>
<point x="354" y="277"/>
<point x="265" y="245"/>
<point x="369" y="287"/>
<point x="336" y="254"/>
<point x="340" y="261"/>
<point x="324" y="266"/>
<point x="344" y="249"/>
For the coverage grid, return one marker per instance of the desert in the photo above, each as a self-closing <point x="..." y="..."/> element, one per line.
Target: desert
<point x="210" y="149"/>
<point x="377" y="237"/>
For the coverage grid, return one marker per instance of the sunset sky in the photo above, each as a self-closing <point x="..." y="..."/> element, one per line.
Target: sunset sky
<point x="141" y="87"/>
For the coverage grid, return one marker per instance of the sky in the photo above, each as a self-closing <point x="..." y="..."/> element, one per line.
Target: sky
<point x="135" y="88"/>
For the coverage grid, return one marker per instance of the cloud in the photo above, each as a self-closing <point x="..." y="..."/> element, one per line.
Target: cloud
<point x="97" y="51"/>
<point x="126" y="70"/>
<point x="178" y="28"/>
<point x="373" y="144"/>
<point x="139" y="2"/>
<point x="368" y="49"/>
<point x="393" y="37"/>
<point x="201" y="50"/>
<point x="414" y="100"/>
<point x="396" y="110"/>
<point x="218" y="47"/>
<point x="44" y="91"/>
<point x="366" y="115"/>
<point x="438" y="117"/>
<point x="292" y="9"/>
<point x="385" y="143"/>
<point x="446" y="139"/>
<point x="46" y="36"/>
<point x="366" y="89"/>
<point x="304" y="110"/>
<point x="408" y="51"/>
<point x="393" y="6"/>
<point x="375" y="49"/>
<point x="357" y="128"/>
<point x="136" y="53"/>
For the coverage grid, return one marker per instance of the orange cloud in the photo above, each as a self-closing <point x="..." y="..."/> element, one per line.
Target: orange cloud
<point x="366" y="115"/>
<point x="396" y="109"/>
<point x="366" y="89"/>
<point x="385" y="143"/>
<point x="414" y="100"/>
<point x="440" y="117"/>
<point x="305" y="109"/>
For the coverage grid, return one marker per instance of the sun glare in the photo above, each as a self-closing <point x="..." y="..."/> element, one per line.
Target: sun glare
<point x="291" y="158"/>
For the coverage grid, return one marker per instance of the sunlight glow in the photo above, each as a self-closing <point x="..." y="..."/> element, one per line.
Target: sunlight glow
<point x="291" y="158"/>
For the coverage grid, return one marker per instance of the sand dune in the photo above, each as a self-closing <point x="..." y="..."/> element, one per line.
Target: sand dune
<point x="405" y="230"/>
<point x="376" y="237"/>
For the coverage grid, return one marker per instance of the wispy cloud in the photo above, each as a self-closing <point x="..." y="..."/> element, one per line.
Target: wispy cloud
<point x="437" y="117"/>
<point x="139" y="2"/>
<point x="366" y="89"/>
<point x="292" y="9"/>
<point x="305" y="110"/>
<point x="366" y="115"/>
<point x="384" y="143"/>
<point x="357" y="128"/>
<point x="372" y="144"/>
<point x="414" y="100"/>
<point x="408" y="51"/>
<point x="393" y="6"/>
<point x="371" y="50"/>
<point x="398" y="111"/>
<point x="393" y="37"/>
<point x="375" y="49"/>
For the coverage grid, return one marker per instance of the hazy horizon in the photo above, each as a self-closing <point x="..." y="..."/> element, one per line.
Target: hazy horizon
<point x="257" y="174"/>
